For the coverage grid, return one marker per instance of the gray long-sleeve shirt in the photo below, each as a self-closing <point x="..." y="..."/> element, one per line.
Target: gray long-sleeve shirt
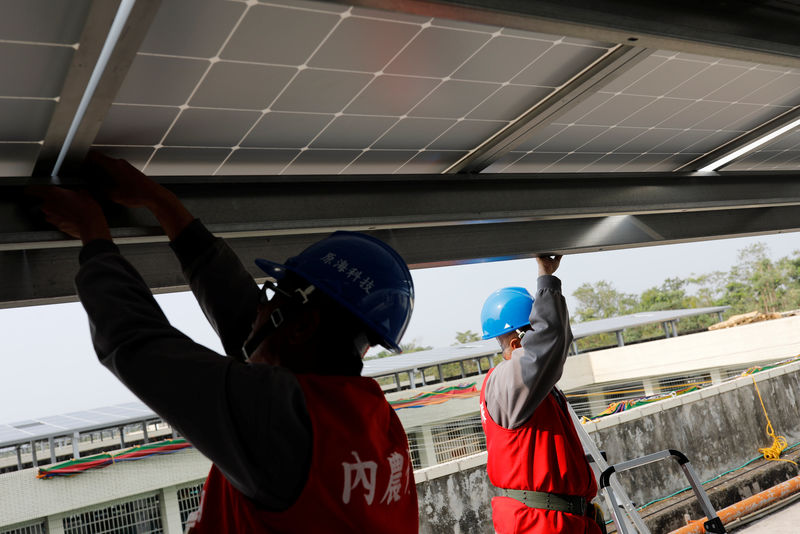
<point x="249" y="419"/>
<point x="517" y="386"/>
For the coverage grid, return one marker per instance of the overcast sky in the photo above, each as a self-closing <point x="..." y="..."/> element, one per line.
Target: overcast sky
<point x="48" y="365"/>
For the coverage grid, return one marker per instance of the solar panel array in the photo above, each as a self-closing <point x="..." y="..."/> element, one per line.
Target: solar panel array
<point x="67" y="424"/>
<point x="222" y="87"/>
<point x="429" y="358"/>
<point x="307" y="88"/>
<point x="663" y="113"/>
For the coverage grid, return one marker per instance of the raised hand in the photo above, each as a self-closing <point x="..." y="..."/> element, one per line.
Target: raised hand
<point x="128" y="186"/>
<point x="548" y="264"/>
<point x="75" y="213"/>
<point x="124" y="183"/>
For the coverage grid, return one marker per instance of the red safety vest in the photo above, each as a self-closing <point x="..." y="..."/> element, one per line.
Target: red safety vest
<point x="544" y="454"/>
<point x="360" y="480"/>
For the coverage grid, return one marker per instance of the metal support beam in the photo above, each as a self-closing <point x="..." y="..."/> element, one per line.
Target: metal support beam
<point x="76" y="445"/>
<point x="547" y="111"/>
<point x="27" y="276"/>
<point x="496" y="217"/>
<point x="122" y="56"/>
<point x="294" y="205"/>
<point x="98" y="23"/>
<point x="620" y="340"/>
<point x="759" y="32"/>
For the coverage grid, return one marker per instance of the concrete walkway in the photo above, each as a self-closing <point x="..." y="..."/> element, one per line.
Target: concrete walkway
<point x="784" y="521"/>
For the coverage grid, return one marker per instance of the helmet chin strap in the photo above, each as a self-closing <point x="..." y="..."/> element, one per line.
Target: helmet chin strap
<point x="276" y="319"/>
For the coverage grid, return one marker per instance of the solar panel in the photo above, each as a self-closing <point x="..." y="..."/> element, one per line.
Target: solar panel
<point x="782" y="154"/>
<point x="664" y="112"/>
<point x="312" y="88"/>
<point x="430" y="358"/>
<point x="616" y="324"/>
<point x="66" y="424"/>
<point x="37" y="43"/>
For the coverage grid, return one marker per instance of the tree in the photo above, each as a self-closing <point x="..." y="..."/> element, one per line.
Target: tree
<point x="601" y="300"/>
<point x="411" y="346"/>
<point x="466" y="337"/>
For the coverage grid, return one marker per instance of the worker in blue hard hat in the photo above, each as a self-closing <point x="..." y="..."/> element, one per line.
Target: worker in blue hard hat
<point x="299" y="441"/>
<point x="535" y="457"/>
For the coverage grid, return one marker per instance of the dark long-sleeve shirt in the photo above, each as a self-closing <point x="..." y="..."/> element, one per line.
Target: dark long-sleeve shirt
<point x="517" y="386"/>
<point x="249" y="419"/>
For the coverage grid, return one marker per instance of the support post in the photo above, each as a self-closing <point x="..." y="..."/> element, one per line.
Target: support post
<point x="76" y="445"/>
<point x="55" y="524"/>
<point x="666" y="329"/>
<point x="650" y="387"/>
<point x="144" y="432"/>
<point x="597" y="401"/>
<point x="33" y="454"/>
<point x="19" y="457"/>
<point x="170" y="510"/>
<point x="121" y="437"/>
<point x="620" y="341"/>
<point x="427" y="448"/>
<point x="716" y="376"/>
<point x="52" y="444"/>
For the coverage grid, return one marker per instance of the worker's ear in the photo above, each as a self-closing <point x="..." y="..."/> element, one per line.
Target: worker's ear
<point x="515" y="343"/>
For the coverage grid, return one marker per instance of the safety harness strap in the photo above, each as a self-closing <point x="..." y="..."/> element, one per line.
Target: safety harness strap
<point x="549" y="501"/>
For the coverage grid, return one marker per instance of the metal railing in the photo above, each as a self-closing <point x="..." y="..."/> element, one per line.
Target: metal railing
<point x="37" y="527"/>
<point x="188" y="501"/>
<point x="139" y="515"/>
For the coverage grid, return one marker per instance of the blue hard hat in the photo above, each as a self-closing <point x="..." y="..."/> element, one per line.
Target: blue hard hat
<point x="505" y="310"/>
<point x="363" y="274"/>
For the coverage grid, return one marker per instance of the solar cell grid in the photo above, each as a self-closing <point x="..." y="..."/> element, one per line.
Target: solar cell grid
<point x="664" y="112"/>
<point x="782" y="154"/>
<point x="306" y="87"/>
<point x="38" y="39"/>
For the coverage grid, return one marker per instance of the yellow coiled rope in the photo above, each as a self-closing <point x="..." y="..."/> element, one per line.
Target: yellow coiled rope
<point x="778" y="442"/>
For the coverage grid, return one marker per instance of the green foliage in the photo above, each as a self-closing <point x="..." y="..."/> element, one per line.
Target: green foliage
<point x="466" y="337"/>
<point x="755" y="283"/>
<point x="411" y="346"/>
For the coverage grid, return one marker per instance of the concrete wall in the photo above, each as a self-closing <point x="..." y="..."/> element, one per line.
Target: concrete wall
<point x="454" y="498"/>
<point x="719" y="428"/>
